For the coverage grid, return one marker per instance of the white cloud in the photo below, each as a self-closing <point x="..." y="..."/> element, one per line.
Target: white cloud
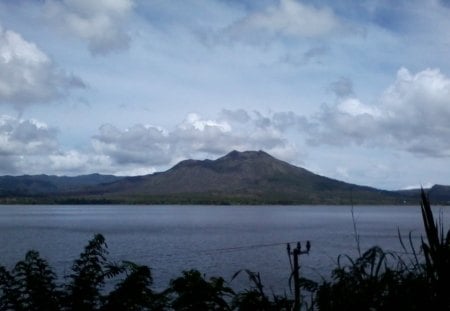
<point x="412" y="114"/>
<point x="32" y="147"/>
<point x="100" y="23"/>
<point x="76" y="162"/>
<point x="234" y="130"/>
<point x="194" y="121"/>
<point x="290" y="18"/>
<point x="27" y="75"/>
<point x="353" y="107"/>
<point x="150" y="147"/>
<point x="141" y="145"/>
<point x="23" y="139"/>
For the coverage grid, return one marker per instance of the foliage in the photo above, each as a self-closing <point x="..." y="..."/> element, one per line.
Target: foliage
<point x="88" y="276"/>
<point x="371" y="282"/>
<point x="134" y="292"/>
<point x="193" y="292"/>
<point x="379" y="280"/>
<point x="255" y="298"/>
<point x="437" y="255"/>
<point x="29" y="286"/>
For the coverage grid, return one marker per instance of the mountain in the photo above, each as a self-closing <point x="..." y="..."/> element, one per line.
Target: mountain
<point x="250" y="177"/>
<point x="438" y="194"/>
<point x="39" y="185"/>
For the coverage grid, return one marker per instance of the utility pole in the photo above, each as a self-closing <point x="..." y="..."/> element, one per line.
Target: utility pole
<point x="296" y="252"/>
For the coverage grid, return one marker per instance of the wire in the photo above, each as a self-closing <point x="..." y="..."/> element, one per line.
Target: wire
<point x="247" y="247"/>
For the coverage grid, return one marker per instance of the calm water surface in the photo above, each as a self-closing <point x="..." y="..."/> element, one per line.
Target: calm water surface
<point x="217" y="240"/>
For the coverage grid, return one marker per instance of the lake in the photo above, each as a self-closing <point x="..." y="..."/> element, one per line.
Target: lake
<point x="217" y="240"/>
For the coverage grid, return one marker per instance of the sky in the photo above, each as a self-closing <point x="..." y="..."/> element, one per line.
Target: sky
<point x="354" y="90"/>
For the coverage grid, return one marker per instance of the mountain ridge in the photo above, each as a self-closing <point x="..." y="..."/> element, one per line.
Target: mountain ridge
<point x="248" y="177"/>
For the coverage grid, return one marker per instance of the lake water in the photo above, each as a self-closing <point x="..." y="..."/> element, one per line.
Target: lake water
<point x="217" y="240"/>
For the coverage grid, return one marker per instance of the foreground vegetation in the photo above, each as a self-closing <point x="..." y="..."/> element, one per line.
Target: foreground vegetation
<point x="376" y="280"/>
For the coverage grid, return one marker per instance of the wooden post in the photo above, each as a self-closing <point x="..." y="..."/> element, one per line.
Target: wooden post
<point x="296" y="271"/>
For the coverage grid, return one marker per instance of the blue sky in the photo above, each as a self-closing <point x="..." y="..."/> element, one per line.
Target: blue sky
<point x="354" y="90"/>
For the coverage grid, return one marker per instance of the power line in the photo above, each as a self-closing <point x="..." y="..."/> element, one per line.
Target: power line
<point x="239" y="248"/>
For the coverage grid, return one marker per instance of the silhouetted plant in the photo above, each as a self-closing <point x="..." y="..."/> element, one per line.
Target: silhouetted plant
<point x="88" y="276"/>
<point x="9" y="297"/>
<point x="256" y="299"/>
<point x="29" y="286"/>
<point x="35" y="283"/>
<point x="133" y="293"/>
<point x="193" y="292"/>
<point x="362" y="284"/>
<point x="437" y="254"/>
<point x="372" y="283"/>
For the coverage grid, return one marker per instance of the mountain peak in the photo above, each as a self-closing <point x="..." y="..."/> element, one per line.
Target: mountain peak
<point x="244" y="177"/>
<point x="245" y="155"/>
<point x="232" y="158"/>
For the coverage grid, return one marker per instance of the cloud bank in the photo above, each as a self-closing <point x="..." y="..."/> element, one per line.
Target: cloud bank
<point x="412" y="114"/>
<point x="195" y="137"/>
<point x="20" y="139"/>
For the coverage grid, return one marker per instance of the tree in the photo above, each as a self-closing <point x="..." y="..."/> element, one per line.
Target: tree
<point x="134" y="293"/>
<point x="30" y="285"/>
<point x="88" y="276"/>
<point x="193" y="292"/>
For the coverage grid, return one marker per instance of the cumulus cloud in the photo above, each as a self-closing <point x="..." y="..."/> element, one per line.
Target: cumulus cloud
<point x="142" y="145"/>
<point x="289" y="18"/>
<point x="278" y="121"/>
<point x="412" y="114"/>
<point x="100" y="22"/>
<point x="23" y="138"/>
<point x="77" y="162"/>
<point x="27" y="75"/>
<point x="196" y="137"/>
<point x="220" y="137"/>
<point x="32" y="147"/>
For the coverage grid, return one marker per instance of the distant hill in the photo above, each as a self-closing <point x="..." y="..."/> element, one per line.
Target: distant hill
<point x="39" y="185"/>
<point x="250" y="177"/>
<point x="438" y="194"/>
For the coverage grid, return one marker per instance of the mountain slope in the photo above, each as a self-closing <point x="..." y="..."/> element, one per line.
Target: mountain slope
<point x="33" y="185"/>
<point x="240" y="177"/>
<point x="251" y="177"/>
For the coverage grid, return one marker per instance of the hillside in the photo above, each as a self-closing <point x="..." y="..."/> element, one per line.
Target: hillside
<point x="438" y="194"/>
<point x="250" y="177"/>
<point x="39" y="185"/>
<point x="240" y="177"/>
